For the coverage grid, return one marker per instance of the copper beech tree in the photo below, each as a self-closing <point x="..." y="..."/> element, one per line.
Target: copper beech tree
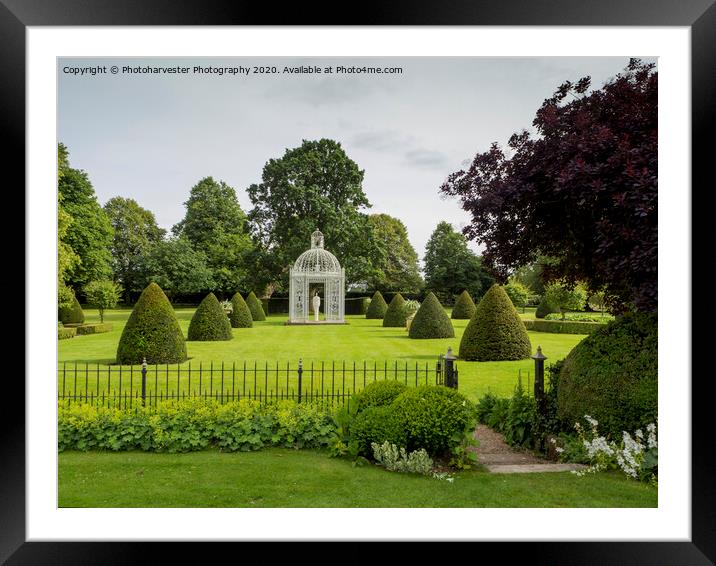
<point x="582" y="191"/>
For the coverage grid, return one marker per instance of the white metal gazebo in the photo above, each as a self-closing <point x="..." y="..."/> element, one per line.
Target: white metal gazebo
<point x="317" y="266"/>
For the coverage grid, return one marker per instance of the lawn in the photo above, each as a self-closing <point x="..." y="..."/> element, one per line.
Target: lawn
<point x="361" y="340"/>
<point x="309" y="478"/>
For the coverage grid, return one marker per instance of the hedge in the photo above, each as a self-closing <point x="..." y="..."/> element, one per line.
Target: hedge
<point x="209" y="322"/>
<point x="377" y="306"/>
<point x="495" y="332"/>
<point x="358" y="305"/>
<point x="255" y="306"/>
<point x="152" y="331"/>
<point x="563" y="327"/>
<point x="464" y="307"/>
<point x="544" y="308"/>
<point x="612" y="375"/>
<point x="395" y="315"/>
<point x="64" y="333"/>
<point x="93" y="328"/>
<point x="431" y="320"/>
<point x="240" y="316"/>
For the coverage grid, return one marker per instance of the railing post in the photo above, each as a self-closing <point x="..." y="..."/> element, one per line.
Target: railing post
<point x="450" y="371"/>
<point x="300" y="378"/>
<point x="144" y="381"/>
<point x="539" y="359"/>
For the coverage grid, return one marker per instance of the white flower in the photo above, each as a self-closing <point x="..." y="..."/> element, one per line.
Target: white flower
<point x="553" y="440"/>
<point x="559" y="450"/>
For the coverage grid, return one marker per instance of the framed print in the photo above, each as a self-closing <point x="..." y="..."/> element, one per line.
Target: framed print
<point x="294" y="252"/>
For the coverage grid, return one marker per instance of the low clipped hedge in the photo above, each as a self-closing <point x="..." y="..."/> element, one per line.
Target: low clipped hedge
<point x="209" y="322"/>
<point x="65" y="333"/>
<point x="377" y="306"/>
<point x="431" y="321"/>
<point x="434" y="417"/>
<point x="195" y="424"/>
<point x="495" y="332"/>
<point x="255" y="307"/>
<point x="563" y="326"/>
<point x="73" y="314"/>
<point x="464" y="307"/>
<point x="612" y="375"/>
<point x="581" y="317"/>
<point x="240" y="316"/>
<point x="396" y="315"/>
<point x="357" y="305"/>
<point x="98" y="328"/>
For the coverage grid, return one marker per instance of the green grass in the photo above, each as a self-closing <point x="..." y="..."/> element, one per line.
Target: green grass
<point x="360" y="340"/>
<point x="289" y="478"/>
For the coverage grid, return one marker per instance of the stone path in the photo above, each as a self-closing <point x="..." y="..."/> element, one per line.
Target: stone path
<point x="499" y="458"/>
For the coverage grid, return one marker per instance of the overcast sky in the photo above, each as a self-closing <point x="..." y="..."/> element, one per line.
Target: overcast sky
<point x="152" y="137"/>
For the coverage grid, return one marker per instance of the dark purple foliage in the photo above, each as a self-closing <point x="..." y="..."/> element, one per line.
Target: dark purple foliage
<point x="583" y="192"/>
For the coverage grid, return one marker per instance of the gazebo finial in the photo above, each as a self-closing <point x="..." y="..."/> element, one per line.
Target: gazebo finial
<point x="317" y="239"/>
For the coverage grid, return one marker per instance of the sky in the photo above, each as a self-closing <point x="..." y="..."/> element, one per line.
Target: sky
<point x="151" y="137"/>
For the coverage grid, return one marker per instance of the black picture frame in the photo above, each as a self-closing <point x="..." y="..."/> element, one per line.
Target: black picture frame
<point x="699" y="15"/>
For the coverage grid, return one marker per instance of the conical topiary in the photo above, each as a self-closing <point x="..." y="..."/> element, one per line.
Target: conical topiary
<point x="464" y="307"/>
<point x="152" y="331"/>
<point x="255" y="307"/>
<point x="73" y="314"/>
<point x="495" y="332"/>
<point x="209" y="322"/>
<point x="377" y="306"/>
<point x="431" y="320"/>
<point x="240" y="316"/>
<point x="544" y="308"/>
<point x="395" y="315"/>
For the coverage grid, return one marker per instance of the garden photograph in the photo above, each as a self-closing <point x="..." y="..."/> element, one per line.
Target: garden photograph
<point x="357" y="282"/>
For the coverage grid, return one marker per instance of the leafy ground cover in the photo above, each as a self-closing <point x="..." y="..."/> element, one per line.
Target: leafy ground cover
<point x="309" y="478"/>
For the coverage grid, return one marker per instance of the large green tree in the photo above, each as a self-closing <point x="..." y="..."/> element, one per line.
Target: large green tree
<point x="215" y="224"/>
<point x="398" y="269"/>
<point x="314" y="186"/>
<point x="66" y="256"/>
<point x="176" y="267"/>
<point x="135" y="232"/>
<point x="451" y="267"/>
<point x="89" y="234"/>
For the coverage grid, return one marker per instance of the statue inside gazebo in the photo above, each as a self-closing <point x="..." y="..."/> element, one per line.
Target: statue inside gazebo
<point x="317" y="280"/>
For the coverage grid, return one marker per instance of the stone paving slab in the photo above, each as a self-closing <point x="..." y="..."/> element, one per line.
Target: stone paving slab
<point x="532" y="468"/>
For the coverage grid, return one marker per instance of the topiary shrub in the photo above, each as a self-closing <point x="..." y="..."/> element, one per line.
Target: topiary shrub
<point x="377" y="306"/>
<point x="73" y="314"/>
<point x="495" y="332"/>
<point x="152" y="331"/>
<point x="378" y="394"/>
<point x="434" y="417"/>
<point x="396" y="314"/>
<point x="209" y="322"/>
<point x="431" y="320"/>
<point x="255" y="307"/>
<point x="612" y="376"/>
<point x="375" y="424"/>
<point x="240" y="316"/>
<point x="544" y="308"/>
<point x="464" y="307"/>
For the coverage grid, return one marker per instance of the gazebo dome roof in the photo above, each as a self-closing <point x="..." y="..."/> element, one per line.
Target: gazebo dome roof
<point x="317" y="260"/>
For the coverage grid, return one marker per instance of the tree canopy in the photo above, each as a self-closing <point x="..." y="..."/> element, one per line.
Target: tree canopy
<point x="583" y="191"/>
<point x="135" y="232"/>
<point x="87" y="230"/>
<point x="398" y="269"/>
<point x="216" y="225"/>
<point x="451" y="267"/>
<point x="313" y="186"/>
